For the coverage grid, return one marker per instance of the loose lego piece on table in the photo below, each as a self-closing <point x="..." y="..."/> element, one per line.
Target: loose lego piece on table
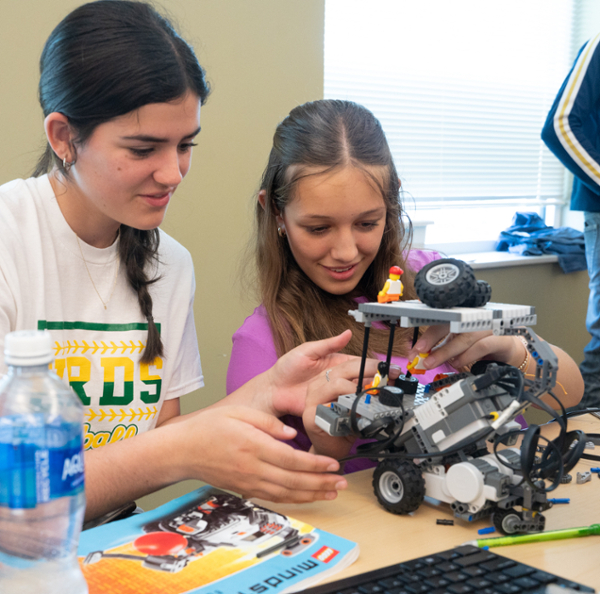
<point x="584" y="477"/>
<point x="595" y="469"/>
<point x="559" y="500"/>
<point x="487" y="530"/>
<point x="445" y="522"/>
<point x="566" y="478"/>
<point x="589" y="445"/>
<point x="393" y="288"/>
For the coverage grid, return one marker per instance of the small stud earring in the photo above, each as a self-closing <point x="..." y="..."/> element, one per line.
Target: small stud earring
<point x="281" y="231"/>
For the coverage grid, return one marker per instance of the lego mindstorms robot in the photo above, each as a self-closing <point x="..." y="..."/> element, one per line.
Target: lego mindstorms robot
<point x="433" y="441"/>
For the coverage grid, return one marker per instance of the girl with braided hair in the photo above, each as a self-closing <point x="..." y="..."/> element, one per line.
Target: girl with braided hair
<point x="82" y="256"/>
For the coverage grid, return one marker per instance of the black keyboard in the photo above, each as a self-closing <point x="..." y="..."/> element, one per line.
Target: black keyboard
<point x="462" y="570"/>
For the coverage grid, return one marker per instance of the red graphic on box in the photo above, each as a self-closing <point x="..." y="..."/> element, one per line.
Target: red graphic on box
<point x="325" y="554"/>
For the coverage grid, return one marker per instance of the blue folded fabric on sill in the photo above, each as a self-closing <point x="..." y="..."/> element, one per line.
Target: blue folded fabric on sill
<point x="530" y="236"/>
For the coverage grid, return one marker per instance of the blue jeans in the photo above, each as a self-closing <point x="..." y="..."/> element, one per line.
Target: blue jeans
<point x="590" y="367"/>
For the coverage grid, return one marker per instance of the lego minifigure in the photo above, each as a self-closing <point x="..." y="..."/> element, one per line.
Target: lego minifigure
<point x="393" y="288"/>
<point x="416" y="365"/>
<point x="381" y="378"/>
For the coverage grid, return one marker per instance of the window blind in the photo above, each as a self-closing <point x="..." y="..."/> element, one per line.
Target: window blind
<point x="462" y="89"/>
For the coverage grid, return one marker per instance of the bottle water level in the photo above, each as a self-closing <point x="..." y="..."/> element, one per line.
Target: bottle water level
<point x="37" y="546"/>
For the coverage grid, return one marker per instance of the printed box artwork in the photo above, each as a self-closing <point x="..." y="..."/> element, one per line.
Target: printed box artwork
<point x="209" y="542"/>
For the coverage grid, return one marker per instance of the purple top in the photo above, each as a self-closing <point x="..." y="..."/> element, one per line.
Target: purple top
<point x="254" y="351"/>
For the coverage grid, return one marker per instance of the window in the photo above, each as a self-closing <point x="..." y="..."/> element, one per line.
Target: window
<point x="462" y="90"/>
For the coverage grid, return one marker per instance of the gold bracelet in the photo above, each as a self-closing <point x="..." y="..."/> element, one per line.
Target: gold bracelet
<point x="525" y="363"/>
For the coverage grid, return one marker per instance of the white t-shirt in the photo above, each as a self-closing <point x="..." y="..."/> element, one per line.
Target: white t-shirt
<point x="44" y="284"/>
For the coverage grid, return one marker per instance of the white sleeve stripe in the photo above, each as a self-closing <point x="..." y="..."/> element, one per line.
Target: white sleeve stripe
<point x="561" y="119"/>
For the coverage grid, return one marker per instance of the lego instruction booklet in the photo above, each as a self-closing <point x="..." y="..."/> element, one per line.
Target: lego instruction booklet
<point x="210" y="542"/>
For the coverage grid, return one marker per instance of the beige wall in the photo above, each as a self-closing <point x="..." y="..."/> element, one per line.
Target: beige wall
<point x="262" y="57"/>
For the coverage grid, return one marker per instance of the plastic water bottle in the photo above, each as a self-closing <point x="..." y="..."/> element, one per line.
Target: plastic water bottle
<point x="42" y="496"/>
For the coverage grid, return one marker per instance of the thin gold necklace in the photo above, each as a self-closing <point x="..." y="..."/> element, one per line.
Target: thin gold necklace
<point x="114" y="285"/>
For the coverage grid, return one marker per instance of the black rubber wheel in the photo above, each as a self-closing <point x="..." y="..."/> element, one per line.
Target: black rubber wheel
<point x="445" y="283"/>
<point x="391" y="396"/>
<point x="481" y="295"/>
<point x="408" y="385"/>
<point x="506" y="520"/>
<point x="399" y="486"/>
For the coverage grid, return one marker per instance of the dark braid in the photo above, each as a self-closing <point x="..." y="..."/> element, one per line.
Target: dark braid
<point x="137" y="249"/>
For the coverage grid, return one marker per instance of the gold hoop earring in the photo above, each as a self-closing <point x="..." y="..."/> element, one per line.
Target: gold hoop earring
<point x="67" y="165"/>
<point x="281" y="231"/>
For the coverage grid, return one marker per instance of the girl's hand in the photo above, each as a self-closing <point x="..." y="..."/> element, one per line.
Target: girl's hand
<point x="231" y="447"/>
<point x="462" y="350"/>
<point x="325" y="389"/>
<point x="281" y="390"/>
<point x="240" y="449"/>
<point x="283" y="387"/>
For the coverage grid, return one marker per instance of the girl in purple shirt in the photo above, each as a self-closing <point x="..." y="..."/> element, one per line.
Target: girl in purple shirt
<point x="329" y="224"/>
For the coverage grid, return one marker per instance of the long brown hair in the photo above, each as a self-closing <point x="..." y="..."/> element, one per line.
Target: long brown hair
<point x="328" y="134"/>
<point x="103" y="60"/>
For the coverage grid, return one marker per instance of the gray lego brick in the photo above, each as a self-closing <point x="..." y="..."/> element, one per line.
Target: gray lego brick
<point x="371" y="411"/>
<point x="375" y="409"/>
<point x="461" y="319"/>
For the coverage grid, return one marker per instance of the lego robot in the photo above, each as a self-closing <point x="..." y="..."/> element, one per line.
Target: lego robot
<point x="433" y="441"/>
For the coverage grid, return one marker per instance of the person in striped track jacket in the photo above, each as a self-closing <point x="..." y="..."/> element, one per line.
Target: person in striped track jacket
<point x="572" y="133"/>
